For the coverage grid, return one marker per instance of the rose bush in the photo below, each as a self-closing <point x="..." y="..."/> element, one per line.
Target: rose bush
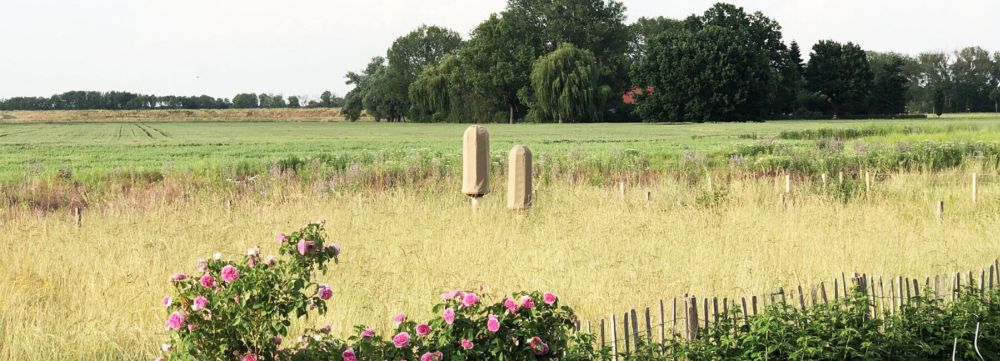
<point x="241" y="310"/>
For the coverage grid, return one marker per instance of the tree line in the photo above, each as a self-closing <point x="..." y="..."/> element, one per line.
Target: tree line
<point x="115" y="100"/>
<point x="578" y="61"/>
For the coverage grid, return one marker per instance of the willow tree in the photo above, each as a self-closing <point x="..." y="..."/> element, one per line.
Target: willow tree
<point x="566" y="85"/>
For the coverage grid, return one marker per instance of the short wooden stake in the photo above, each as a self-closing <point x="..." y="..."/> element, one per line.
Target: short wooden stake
<point x="649" y="196"/>
<point x="840" y="178"/>
<point x="868" y="182"/>
<point x="621" y="189"/>
<point x="823" y="176"/>
<point x="78" y="216"/>
<point x="975" y="189"/>
<point x="788" y="183"/>
<point x="939" y="210"/>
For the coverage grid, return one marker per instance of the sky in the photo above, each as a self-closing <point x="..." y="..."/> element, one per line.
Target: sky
<point x="303" y="47"/>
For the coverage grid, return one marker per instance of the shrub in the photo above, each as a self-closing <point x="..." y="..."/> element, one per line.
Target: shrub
<point x="242" y="310"/>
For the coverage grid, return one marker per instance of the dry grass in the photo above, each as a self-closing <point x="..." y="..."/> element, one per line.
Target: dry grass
<point x="300" y="114"/>
<point x="94" y="292"/>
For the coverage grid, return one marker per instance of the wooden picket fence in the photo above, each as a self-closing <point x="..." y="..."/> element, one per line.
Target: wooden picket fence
<point x="685" y="317"/>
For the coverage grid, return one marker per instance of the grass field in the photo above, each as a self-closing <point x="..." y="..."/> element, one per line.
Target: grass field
<point x="94" y="292"/>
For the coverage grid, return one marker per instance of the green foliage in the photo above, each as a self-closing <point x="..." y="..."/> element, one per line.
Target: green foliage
<point x="924" y="329"/>
<point x="842" y="74"/>
<point x="566" y="85"/>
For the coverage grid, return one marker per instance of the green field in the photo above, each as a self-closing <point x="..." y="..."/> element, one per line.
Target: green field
<point x="94" y="149"/>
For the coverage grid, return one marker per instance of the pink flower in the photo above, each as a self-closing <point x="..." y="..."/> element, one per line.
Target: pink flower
<point x="333" y="249"/>
<point x="423" y="330"/>
<point x="401" y="339"/>
<point x="400" y="318"/>
<point x="349" y="355"/>
<point x="202" y="266"/>
<point x="305" y="246"/>
<point x="368" y="332"/>
<point x="207" y="281"/>
<point x="470" y="299"/>
<point x="217" y="256"/>
<point x="449" y="315"/>
<point x="492" y="324"/>
<point x="167" y="301"/>
<point x="538" y="346"/>
<point x="549" y="298"/>
<point x="165" y="347"/>
<point x="281" y="238"/>
<point x="326" y="328"/>
<point x="325" y="292"/>
<point x="178" y="277"/>
<point x="276" y="340"/>
<point x="452" y="294"/>
<point x="252" y="252"/>
<point x="199" y="303"/>
<point x="432" y="356"/>
<point x="176" y="320"/>
<point x="230" y="274"/>
<point x="270" y="261"/>
<point x="467" y="345"/>
<point x="527" y="302"/>
<point x="250" y="357"/>
<point x="159" y="359"/>
<point x="192" y="327"/>
<point x="511" y="306"/>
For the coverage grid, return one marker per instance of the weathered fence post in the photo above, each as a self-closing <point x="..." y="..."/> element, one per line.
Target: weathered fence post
<point x="975" y="189"/>
<point x="476" y="163"/>
<point x="519" y="178"/>
<point x="78" y="216"/>
<point x="939" y="210"/>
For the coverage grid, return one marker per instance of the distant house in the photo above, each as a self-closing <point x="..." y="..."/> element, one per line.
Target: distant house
<point x="630" y="96"/>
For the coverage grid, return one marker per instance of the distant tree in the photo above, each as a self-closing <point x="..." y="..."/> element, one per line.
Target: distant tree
<point x="972" y="74"/>
<point x="841" y="73"/>
<point x="407" y="58"/>
<point x="889" y="89"/>
<point x="939" y="100"/>
<point x="566" y="85"/>
<point x="499" y="60"/>
<point x="278" y="101"/>
<point x="293" y="101"/>
<point x="245" y="100"/>
<point x="326" y="99"/>
<point x="995" y="95"/>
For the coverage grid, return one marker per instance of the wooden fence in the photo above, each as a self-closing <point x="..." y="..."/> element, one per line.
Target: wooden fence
<point x="685" y="317"/>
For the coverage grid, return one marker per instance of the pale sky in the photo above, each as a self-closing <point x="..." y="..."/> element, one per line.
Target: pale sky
<point x="302" y="47"/>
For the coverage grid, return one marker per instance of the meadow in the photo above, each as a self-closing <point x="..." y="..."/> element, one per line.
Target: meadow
<point x="158" y="195"/>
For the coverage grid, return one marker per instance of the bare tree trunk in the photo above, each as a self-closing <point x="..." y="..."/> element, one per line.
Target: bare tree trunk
<point x="512" y="114"/>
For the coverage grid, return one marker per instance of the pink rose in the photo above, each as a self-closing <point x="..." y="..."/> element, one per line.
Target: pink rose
<point x="423" y="330"/>
<point x="281" y="238"/>
<point x="349" y="355"/>
<point x="178" y="277"/>
<point x="400" y="318"/>
<point x="538" y="346"/>
<point x="217" y="256"/>
<point x="270" y="260"/>
<point x="449" y="315"/>
<point x="165" y="347"/>
<point x="467" y="345"/>
<point x="492" y="324"/>
<point x="305" y="246"/>
<point x="470" y="299"/>
<point x="176" y="320"/>
<point x="432" y="356"/>
<point x="325" y="292"/>
<point x="199" y="303"/>
<point x="202" y="266"/>
<point x="230" y="274"/>
<point x="368" y="332"/>
<point x="326" y="328"/>
<point x="527" y="302"/>
<point x="452" y="294"/>
<point x="207" y="281"/>
<point x="549" y="298"/>
<point x="250" y="357"/>
<point x="276" y="340"/>
<point x="511" y="306"/>
<point x="401" y="339"/>
<point x="167" y="301"/>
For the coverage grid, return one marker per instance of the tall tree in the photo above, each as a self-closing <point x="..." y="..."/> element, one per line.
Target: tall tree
<point x="245" y="100"/>
<point x="499" y="60"/>
<point x="566" y="85"/>
<point x="293" y="102"/>
<point x="409" y="55"/>
<point x="972" y="79"/>
<point x="889" y="90"/>
<point x="326" y="99"/>
<point x="841" y="74"/>
<point x="712" y="74"/>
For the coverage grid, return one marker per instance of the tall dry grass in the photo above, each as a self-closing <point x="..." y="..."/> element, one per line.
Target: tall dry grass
<point x="94" y="292"/>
